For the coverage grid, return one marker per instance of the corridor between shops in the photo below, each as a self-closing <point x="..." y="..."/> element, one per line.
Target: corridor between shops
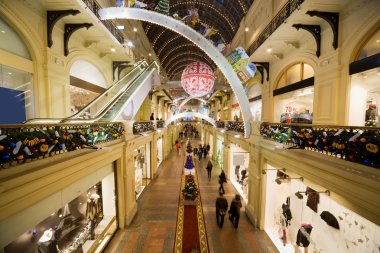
<point x="154" y="226"/>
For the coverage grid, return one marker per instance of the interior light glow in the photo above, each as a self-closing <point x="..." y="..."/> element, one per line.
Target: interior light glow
<point x="246" y="29"/>
<point x="130" y="44"/>
<point x="134" y="29"/>
<point x="113" y="49"/>
<point x="120" y="27"/>
<point x="269" y="50"/>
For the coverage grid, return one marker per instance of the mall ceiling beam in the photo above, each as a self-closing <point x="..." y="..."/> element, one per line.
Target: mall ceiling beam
<point x="266" y="66"/>
<point x="52" y="17"/>
<point x="69" y="30"/>
<point x="332" y="18"/>
<point x="315" y="30"/>
<point x="120" y="66"/>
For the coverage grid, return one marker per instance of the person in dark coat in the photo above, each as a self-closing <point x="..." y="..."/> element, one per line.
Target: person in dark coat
<point x="152" y="116"/>
<point x="221" y="205"/>
<point x="200" y="152"/>
<point x="208" y="147"/>
<point x="222" y="180"/>
<point x="209" y="169"/>
<point x="205" y="151"/>
<point x="235" y="211"/>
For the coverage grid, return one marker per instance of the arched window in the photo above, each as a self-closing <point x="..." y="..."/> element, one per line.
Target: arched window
<point x="16" y="77"/>
<point x="86" y="83"/>
<point x="365" y="85"/>
<point x="294" y="74"/>
<point x="371" y="47"/>
<point x="294" y="94"/>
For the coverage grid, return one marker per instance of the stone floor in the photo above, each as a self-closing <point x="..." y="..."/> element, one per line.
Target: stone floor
<point x="153" y="228"/>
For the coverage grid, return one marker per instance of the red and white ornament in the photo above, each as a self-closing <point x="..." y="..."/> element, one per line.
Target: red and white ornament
<point x="197" y="79"/>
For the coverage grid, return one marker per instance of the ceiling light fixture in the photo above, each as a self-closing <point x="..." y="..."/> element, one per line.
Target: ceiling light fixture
<point x="130" y="44"/>
<point x="246" y="29"/>
<point x="113" y="49"/>
<point x="120" y="27"/>
<point x="134" y="29"/>
<point x="269" y="50"/>
<point x="377" y="41"/>
<point x="2" y="31"/>
<point x="150" y="54"/>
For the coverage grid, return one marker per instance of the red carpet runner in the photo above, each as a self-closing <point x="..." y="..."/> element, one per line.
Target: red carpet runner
<point x="191" y="231"/>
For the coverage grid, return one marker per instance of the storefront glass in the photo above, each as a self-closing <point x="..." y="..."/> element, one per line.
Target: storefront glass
<point x="365" y="99"/>
<point x="160" y="151"/>
<point x="142" y="168"/>
<point x="239" y="162"/>
<point x="219" y="151"/>
<point x="255" y="106"/>
<point x="287" y="217"/>
<point x="86" y="224"/>
<point x="295" y="106"/>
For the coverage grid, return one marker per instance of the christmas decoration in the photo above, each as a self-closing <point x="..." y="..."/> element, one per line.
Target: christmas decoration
<point x="189" y="164"/>
<point x="163" y="7"/>
<point x="197" y="79"/>
<point x="240" y="62"/>
<point x="190" y="191"/>
<point x="360" y="145"/>
<point x="189" y="148"/>
<point x="28" y="143"/>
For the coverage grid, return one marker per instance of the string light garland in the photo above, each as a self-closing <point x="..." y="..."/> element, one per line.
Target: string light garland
<point x="183" y="54"/>
<point x="181" y="28"/>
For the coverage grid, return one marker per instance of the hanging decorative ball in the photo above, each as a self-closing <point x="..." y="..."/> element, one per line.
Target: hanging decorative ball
<point x="6" y="156"/>
<point x="197" y="79"/>
<point x="1" y="147"/>
<point x="12" y="145"/>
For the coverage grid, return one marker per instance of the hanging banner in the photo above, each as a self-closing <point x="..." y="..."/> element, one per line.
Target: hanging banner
<point x="239" y="60"/>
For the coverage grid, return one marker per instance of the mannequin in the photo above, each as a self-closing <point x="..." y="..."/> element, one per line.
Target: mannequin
<point x="92" y="213"/>
<point x="47" y="242"/>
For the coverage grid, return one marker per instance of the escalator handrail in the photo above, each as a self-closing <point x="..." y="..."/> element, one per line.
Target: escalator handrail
<point x="105" y="110"/>
<point x="103" y="94"/>
<point x="58" y="120"/>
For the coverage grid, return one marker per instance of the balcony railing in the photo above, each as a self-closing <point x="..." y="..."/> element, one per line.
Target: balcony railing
<point x="95" y="7"/>
<point x="354" y="144"/>
<point x="160" y="124"/>
<point x="140" y="127"/>
<point x="237" y="126"/>
<point x="276" y="22"/>
<point x="26" y="143"/>
<point x="220" y="124"/>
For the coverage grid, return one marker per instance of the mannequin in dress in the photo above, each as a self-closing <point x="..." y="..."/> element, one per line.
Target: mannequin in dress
<point x="47" y="242"/>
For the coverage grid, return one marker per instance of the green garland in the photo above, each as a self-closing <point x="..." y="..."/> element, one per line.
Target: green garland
<point x="360" y="145"/>
<point x="25" y="144"/>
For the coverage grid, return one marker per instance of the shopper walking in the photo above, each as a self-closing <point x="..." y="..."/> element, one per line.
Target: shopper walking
<point x="221" y="205"/>
<point x="205" y="151"/>
<point x="177" y="146"/>
<point x="235" y="211"/>
<point x="209" y="169"/>
<point x="222" y="180"/>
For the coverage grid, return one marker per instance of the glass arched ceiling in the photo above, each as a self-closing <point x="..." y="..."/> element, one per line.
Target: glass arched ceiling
<point x="223" y="15"/>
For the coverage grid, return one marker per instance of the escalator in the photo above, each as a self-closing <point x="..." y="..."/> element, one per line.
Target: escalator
<point x="109" y="105"/>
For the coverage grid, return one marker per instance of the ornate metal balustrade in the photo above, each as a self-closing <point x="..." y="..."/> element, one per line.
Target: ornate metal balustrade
<point x="276" y="22"/>
<point x="26" y="143"/>
<point x="237" y="126"/>
<point x="160" y="124"/>
<point x="220" y="124"/>
<point x="140" y="127"/>
<point x="95" y="7"/>
<point x="354" y="144"/>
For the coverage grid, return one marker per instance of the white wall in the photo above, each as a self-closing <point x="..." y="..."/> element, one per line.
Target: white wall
<point x="108" y="191"/>
<point x="356" y="234"/>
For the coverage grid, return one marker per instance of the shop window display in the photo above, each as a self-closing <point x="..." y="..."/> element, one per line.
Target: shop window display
<point x="239" y="170"/>
<point x="142" y="168"/>
<point x="365" y="99"/>
<point x="301" y="219"/>
<point x="295" y="107"/>
<point x="85" y="224"/>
